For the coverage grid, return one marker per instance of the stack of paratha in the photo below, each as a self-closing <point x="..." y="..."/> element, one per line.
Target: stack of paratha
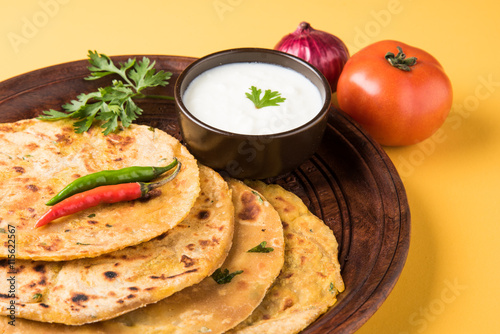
<point x="203" y="254"/>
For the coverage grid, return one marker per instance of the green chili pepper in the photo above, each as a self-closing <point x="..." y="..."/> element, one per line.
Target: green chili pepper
<point x="111" y="177"/>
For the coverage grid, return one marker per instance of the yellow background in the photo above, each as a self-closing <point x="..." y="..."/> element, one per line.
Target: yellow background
<point x="450" y="283"/>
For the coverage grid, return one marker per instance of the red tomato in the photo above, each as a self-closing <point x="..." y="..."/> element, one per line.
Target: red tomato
<point x="396" y="107"/>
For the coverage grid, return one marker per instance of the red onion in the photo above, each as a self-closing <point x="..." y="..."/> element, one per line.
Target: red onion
<point x="323" y="50"/>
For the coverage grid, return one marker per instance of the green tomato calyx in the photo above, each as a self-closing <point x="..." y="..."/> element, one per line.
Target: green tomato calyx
<point x="400" y="61"/>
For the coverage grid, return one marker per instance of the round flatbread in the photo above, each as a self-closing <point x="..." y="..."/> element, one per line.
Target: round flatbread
<point x="38" y="159"/>
<point x="214" y="308"/>
<point x="310" y="279"/>
<point x="93" y="289"/>
<point x="207" y="307"/>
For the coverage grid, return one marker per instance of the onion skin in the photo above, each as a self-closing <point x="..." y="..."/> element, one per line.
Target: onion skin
<point x="323" y="50"/>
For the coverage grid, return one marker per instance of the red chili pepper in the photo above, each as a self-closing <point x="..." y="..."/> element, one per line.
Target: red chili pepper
<point x="103" y="194"/>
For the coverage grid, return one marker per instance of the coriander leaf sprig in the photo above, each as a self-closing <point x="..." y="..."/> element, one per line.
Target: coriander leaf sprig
<point x="270" y="98"/>
<point x="261" y="248"/>
<point x="113" y="104"/>
<point x="222" y="276"/>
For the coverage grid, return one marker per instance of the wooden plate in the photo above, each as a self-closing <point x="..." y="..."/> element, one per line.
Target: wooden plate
<point x="350" y="183"/>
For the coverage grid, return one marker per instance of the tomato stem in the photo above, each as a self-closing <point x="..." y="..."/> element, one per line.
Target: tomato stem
<point x="400" y="61"/>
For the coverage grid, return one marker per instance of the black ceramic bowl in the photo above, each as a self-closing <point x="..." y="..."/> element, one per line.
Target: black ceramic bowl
<point x="251" y="156"/>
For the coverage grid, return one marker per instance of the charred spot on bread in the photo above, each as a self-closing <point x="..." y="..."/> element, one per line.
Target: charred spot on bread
<point x="79" y="297"/>
<point x="203" y="214"/>
<point x="110" y="275"/>
<point x="251" y="208"/>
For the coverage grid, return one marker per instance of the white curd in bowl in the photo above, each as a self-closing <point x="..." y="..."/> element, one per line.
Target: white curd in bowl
<point x="217" y="98"/>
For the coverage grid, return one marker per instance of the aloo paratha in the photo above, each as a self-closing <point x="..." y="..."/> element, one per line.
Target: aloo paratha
<point x="37" y="159"/>
<point x="310" y="279"/>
